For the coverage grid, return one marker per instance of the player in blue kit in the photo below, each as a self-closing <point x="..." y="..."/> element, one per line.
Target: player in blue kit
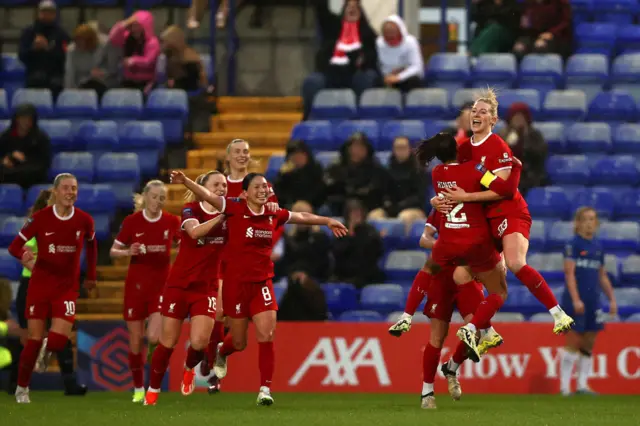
<point x="584" y="273"/>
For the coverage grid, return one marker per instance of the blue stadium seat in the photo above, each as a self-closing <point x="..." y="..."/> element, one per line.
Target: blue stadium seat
<point x="97" y="136"/>
<point x="615" y="170"/>
<point x="12" y="68"/>
<point x="568" y="169"/>
<point x="628" y="300"/>
<point x="340" y="297"/>
<point x="334" y="104"/>
<point x="548" y="202"/>
<point x="10" y="268"/>
<point x="4" y="125"/>
<point x="327" y="158"/>
<point x="630" y="273"/>
<point x="459" y="98"/>
<point x="11" y="199"/>
<point x="273" y="166"/>
<point x="554" y="135"/>
<point x="427" y="103"/>
<point x="402" y="265"/>
<point x="559" y="234"/>
<point x="628" y="205"/>
<point x="626" y="139"/>
<point x="587" y="72"/>
<point x="508" y="317"/>
<point x="122" y="104"/>
<point x="624" y="74"/>
<point x="75" y="103"/>
<point x="97" y="199"/>
<point x="59" y="131"/>
<point x="613" y="107"/>
<point x="361" y="316"/>
<point x="383" y="298"/>
<point x="122" y="172"/>
<point x="346" y="129"/>
<point x="541" y="72"/>
<point x="412" y="129"/>
<point x="550" y="265"/>
<point x="619" y="237"/>
<point x="618" y="12"/>
<point x="102" y="224"/>
<point x="564" y="105"/>
<point x="635" y="318"/>
<point x="171" y="108"/>
<point x="601" y="199"/>
<point x="80" y="164"/>
<point x="538" y="236"/>
<point x="613" y="267"/>
<point x="380" y="104"/>
<point x="41" y="99"/>
<point x="583" y="138"/>
<point x="628" y="39"/>
<point x="33" y="192"/>
<point x="392" y="232"/>
<point x="145" y="138"/>
<point x="530" y="97"/>
<point x="9" y="229"/>
<point x="596" y="38"/>
<point x="318" y="135"/>
<point x="5" y="111"/>
<point x="496" y="70"/>
<point x="448" y="71"/>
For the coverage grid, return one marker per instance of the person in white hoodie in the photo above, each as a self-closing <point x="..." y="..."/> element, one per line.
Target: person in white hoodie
<point x="399" y="56"/>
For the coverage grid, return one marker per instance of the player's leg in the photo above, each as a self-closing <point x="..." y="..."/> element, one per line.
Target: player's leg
<point x="568" y="359"/>
<point x="238" y="299"/>
<point x="136" y="360"/>
<point x="217" y="334"/>
<point x="431" y="360"/>
<point x="265" y="323"/>
<point x="154" y="324"/>
<point x="585" y="362"/>
<point x="417" y="293"/>
<point x="169" y="336"/>
<point x="29" y="354"/>
<point x="202" y="313"/>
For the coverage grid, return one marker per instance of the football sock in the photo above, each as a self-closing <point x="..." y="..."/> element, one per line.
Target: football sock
<point x="486" y="310"/>
<point x="159" y="365"/>
<point x="584" y="368"/>
<point x="136" y="366"/>
<point x="417" y="292"/>
<point x="65" y="361"/>
<point x="193" y="358"/>
<point x="537" y="286"/>
<point x="568" y="361"/>
<point x="427" y="388"/>
<point x="430" y="362"/>
<point x="217" y="336"/>
<point x="459" y="355"/>
<point x="227" y="347"/>
<point x="28" y="359"/>
<point x="266" y="362"/>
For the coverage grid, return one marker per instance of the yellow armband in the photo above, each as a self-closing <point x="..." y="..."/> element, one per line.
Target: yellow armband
<point x="487" y="179"/>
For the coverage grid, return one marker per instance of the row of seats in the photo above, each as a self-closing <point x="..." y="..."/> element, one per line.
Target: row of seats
<point x="607" y="38"/>
<point x="593" y="170"/>
<point x="618" y="12"/>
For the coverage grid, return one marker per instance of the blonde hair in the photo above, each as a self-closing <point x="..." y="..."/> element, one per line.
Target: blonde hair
<point x="227" y="166"/>
<point x="189" y="196"/>
<point x="56" y="183"/>
<point x="138" y="199"/>
<point x="579" y="216"/>
<point x="489" y="97"/>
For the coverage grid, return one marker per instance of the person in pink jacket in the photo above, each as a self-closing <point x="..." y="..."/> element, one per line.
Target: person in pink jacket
<point x="141" y="48"/>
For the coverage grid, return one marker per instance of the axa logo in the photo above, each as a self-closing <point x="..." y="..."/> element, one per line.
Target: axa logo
<point x="249" y="233"/>
<point x="343" y="361"/>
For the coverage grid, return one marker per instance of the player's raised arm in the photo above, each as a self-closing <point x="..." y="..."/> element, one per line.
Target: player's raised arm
<point x="501" y="185"/>
<point x="301" y="218"/>
<point x="196" y="230"/>
<point x="200" y="191"/>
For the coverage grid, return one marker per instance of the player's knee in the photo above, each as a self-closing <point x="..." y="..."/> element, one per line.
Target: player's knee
<point x="239" y="343"/>
<point x="461" y="276"/>
<point x="153" y="337"/>
<point x="199" y="342"/>
<point x="515" y="263"/>
<point x="437" y="339"/>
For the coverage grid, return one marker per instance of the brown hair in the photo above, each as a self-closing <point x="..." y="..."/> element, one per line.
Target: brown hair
<point x="56" y="182"/>
<point x="41" y="202"/>
<point x="202" y="180"/>
<point x="578" y="217"/>
<point x="88" y="35"/>
<point x="138" y="199"/>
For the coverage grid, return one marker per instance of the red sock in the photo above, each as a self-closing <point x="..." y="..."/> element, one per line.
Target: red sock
<point x="193" y="357"/>
<point x="537" y="286"/>
<point x="159" y="365"/>
<point x="227" y="346"/>
<point x="136" y="366"/>
<point x="217" y="335"/>
<point x="56" y="342"/>
<point x="28" y="359"/>
<point x="418" y="292"/>
<point x="460" y="354"/>
<point x="266" y="362"/>
<point x="487" y="310"/>
<point x="430" y="362"/>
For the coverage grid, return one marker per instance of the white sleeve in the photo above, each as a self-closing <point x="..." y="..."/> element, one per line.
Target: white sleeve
<point x="415" y="67"/>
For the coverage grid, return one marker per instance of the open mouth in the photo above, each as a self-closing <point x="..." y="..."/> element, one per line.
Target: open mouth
<point x="476" y="122"/>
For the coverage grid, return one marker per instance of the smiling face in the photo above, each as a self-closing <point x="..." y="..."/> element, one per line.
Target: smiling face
<point x="66" y="193"/>
<point x="482" y="118"/>
<point x="155" y="199"/>
<point x="238" y="155"/>
<point x="258" y="191"/>
<point x="217" y="184"/>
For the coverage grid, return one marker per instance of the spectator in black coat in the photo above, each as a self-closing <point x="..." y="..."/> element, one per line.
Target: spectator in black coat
<point x="304" y="300"/>
<point x="300" y="177"/>
<point x="497" y="25"/>
<point x="357" y="175"/>
<point x="43" y="49"/>
<point x="347" y="57"/>
<point x="25" y="151"/>
<point x="406" y="193"/>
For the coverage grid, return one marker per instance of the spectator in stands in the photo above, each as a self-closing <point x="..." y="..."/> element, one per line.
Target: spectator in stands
<point x="141" y="48"/>
<point x="25" y="150"/>
<point x="357" y="255"/>
<point x="399" y="56"/>
<point x="463" y="123"/>
<point x="300" y="177"/>
<point x="82" y="56"/>
<point x="43" y="48"/>
<point x="10" y="336"/>
<point x="347" y="57"/>
<point x="496" y="26"/>
<point x="357" y="175"/>
<point x="106" y="71"/>
<point x="304" y="300"/>
<point x="184" y="67"/>
<point x="527" y="144"/>
<point x="407" y="189"/>
<point x="545" y="27"/>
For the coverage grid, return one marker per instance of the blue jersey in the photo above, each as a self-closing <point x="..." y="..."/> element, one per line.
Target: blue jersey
<point x="589" y="258"/>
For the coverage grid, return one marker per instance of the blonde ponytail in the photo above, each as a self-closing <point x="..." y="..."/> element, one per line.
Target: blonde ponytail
<point x="56" y="182"/>
<point x="489" y="97"/>
<point x="139" y="199"/>
<point x="201" y="180"/>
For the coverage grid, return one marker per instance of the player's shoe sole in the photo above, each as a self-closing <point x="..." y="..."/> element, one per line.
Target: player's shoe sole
<point x="468" y="337"/>
<point x="453" y="384"/>
<point x="488" y="342"/>
<point x="563" y="324"/>
<point x="428" y="402"/>
<point x="399" y="328"/>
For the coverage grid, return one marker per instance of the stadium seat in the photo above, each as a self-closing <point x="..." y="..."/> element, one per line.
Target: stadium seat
<point x="59" y="132"/>
<point x="627" y="206"/>
<point x="75" y="103"/>
<point x="9" y="229"/>
<point x="10" y="268"/>
<point x="459" y="98"/>
<point x="393" y="317"/>
<point x="630" y="271"/>
<point x="548" y="202"/>
<point x="346" y="129"/>
<point x="327" y="158"/>
<point x="559" y="234"/>
<point x="553" y="134"/>
<point x="624" y="74"/>
<point x="618" y="12"/>
<point x="11" y="199"/>
<point x="5" y="111"/>
<point x="273" y="166"/>
<point x="97" y="199"/>
<point x="383" y="298"/>
<point x="427" y="103"/>
<point x="542" y="72"/>
<point x="122" y="172"/>
<point x="334" y="104"/>
<point x="97" y="136"/>
<point x="587" y="72"/>
<point x="318" y="135"/>
<point x="145" y="138"/>
<point x="616" y="106"/>
<point x="380" y="104"/>
<point x="583" y="138"/>
<point x="564" y="105"/>
<point x="13" y="70"/>
<point x="41" y="99"/>
<point x="615" y="170"/>
<point x="626" y="139"/>
<point x="542" y="317"/>
<point x="340" y="297"/>
<point x="361" y="316"/>
<point x="530" y="97"/>
<point x="102" y="224"/>
<point x="619" y="237"/>
<point x="33" y="192"/>
<point x="628" y="300"/>
<point x="538" y="236"/>
<point x="392" y="232"/>
<point x="613" y="267"/>
<point x="595" y="38"/>
<point x="80" y="164"/>
<point x="634" y="317"/>
<point x="402" y="265"/>
<point x="550" y="265"/>
<point x="411" y="129"/>
<point x="601" y="199"/>
<point x="449" y="71"/>
<point x="122" y="104"/>
<point x="568" y="169"/>
<point x="498" y="70"/>
<point x="628" y="39"/>
<point x="508" y="317"/>
<point x="171" y="108"/>
<point x="4" y="125"/>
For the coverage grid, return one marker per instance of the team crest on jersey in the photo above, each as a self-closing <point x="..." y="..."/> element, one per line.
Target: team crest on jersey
<point x="270" y="220"/>
<point x="77" y="235"/>
<point x="481" y="168"/>
<point x="483" y="159"/>
<point x="166" y="234"/>
<point x="187" y="211"/>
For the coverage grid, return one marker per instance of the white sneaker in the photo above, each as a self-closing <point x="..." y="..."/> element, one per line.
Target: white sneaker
<point x="264" y="397"/>
<point x="468" y="337"/>
<point x="43" y="358"/>
<point x="428" y="402"/>
<point x="220" y="367"/>
<point x="22" y="395"/>
<point x="401" y="326"/>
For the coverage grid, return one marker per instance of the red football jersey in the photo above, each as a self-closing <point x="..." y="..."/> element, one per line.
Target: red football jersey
<point x="234" y="189"/>
<point x="466" y="223"/>
<point x="60" y="241"/>
<point x="150" y="268"/>
<point x="198" y="262"/>
<point x="250" y="243"/>
<point x="434" y="220"/>
<point x="494" y="153"/>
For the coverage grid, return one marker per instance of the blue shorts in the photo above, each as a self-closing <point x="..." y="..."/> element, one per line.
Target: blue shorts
<point x="591" y="321"/>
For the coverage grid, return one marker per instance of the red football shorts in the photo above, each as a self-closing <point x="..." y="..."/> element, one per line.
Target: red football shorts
<point x="468" y="297"/>
<point x="244" y="300"/>
<point x="444" y="294"/>
<point x="480" y="257"/>
<point x="519" y="222"/>
<point x="181" y="303"/>
<point x="138" y="305"/>
<point x="63" y="306"/>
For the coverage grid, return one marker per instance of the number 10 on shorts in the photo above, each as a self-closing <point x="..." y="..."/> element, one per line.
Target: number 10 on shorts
<point x="70" y="308"/>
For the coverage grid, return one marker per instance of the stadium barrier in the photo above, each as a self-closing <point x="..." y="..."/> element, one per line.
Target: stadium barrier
<point x="363" y="357"/>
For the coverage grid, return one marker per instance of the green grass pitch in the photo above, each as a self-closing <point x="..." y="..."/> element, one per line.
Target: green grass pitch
<point x="115" y="409"/>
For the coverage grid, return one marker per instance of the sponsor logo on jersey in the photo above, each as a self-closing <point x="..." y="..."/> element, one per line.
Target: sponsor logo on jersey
<point x="187" y="212"/>
<point x="446" y="185"/>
